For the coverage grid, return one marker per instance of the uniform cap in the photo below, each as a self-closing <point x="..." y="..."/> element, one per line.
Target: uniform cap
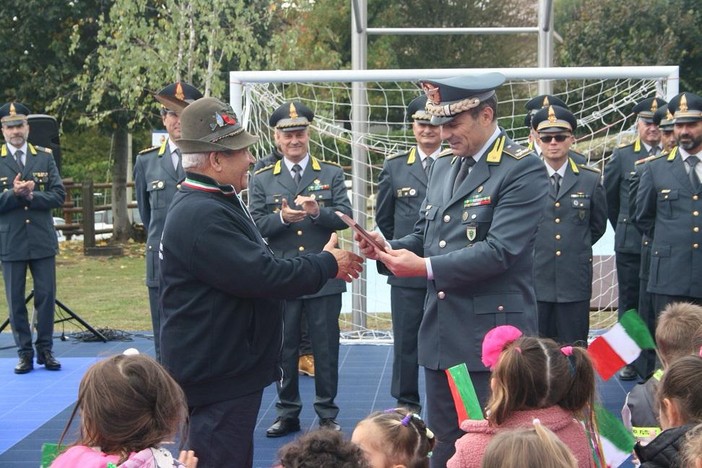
<point x="646" y="108"/>
<point x="209" y="124"/>
<point x="13" y="114"/>
<point x="554" y="119"/>
<point x="181" y="90"/>
<point x="686" y="107"/>
<point x="538" y="102"/>
<point x="663" y="118"/>
<point x="448" y="97"/>
<point x="291" y="116"/>
<point x="416" y="110"/>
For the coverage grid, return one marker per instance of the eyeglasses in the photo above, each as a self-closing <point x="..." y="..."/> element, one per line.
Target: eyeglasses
<point x="550" y="138"/>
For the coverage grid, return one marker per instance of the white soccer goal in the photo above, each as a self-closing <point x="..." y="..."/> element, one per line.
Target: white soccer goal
<point x="360" y="119"/>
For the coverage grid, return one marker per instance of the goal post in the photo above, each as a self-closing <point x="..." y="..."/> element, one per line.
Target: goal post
<point x="360" y="119"/>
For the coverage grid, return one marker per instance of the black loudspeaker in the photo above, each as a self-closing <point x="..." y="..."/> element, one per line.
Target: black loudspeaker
<point x="44" y="131"/>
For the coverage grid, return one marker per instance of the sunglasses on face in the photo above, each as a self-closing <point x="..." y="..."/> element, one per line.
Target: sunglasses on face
<point x="550" y="138"/>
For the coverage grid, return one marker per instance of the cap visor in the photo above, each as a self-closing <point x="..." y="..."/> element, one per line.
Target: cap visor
<point x="436" y="120"/>
<point x="233" y="143"/>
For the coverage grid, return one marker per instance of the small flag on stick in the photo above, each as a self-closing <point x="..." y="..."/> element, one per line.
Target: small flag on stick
<point x="617" y="441"/>
<point x="463" y="392"/>
<point x="620" y="345"/>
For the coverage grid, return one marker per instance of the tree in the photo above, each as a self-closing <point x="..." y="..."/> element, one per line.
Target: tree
<point x="144" y="44"/>
<point x="629" y="32"/>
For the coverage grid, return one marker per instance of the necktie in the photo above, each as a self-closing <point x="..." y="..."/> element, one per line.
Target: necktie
<point x="694" y="180"/>
<point x="179" y="164"/>
<point x="555" y="183"/>
<point x="466" y="163"/>
<point x="655" y="151"/>
<point x="427" y="164"/>
<point x="18" y="157"/>
<point x="297" y="173"/>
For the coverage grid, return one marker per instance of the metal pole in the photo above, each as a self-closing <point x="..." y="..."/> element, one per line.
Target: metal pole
<point x="545" y="52"/>
<point x="359" y="168"/>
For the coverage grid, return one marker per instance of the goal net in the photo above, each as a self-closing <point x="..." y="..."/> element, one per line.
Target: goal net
<point x="360" y="119"/>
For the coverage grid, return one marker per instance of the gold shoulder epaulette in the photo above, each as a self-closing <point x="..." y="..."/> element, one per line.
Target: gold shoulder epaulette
<point x="646" y="159"/>
<point x="263" y="169"/>
<point x="149" y="149"/>
<point x="330" y="162"/>
<point x="397" y="155"/>
<point x="44" y="149"/>
<point x="589" y="168"/>
<point x="446" y="152"/>
<point x="516" y="151"/>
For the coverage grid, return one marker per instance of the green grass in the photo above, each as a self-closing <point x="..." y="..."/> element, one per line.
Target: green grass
<point x="106" y="292"/>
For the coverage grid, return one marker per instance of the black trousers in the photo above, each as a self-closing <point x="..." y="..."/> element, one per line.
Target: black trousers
<point x="442" y="417"/>
<point x="221" y="434"/>
<point x="155" y="320"/>
<point x="407" y="311"/>
<point x="564" y="322"/>
<point x="628" y="266"/>
<point x="44" y="275"/>
<point x="323" y="327"/>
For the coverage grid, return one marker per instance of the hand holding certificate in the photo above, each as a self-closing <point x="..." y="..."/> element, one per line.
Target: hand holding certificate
<point x="361" y="232"/>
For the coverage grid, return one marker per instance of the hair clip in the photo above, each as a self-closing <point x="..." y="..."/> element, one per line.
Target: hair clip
<point x="567" y="350"/>
<point x="700" y="351"/>
<point x="518" y="349"/>
<point x="536" y="422"/>
<point x="495" y="341"/>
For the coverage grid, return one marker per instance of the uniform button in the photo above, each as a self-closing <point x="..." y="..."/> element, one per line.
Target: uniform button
<point x="178" y="186"/>
<point x="301" y="248"/>
<point x="558" y="253"/>
<point x="441" y="295"/>
<point x="473" y="216"/>
<point x="26" y="208"/>
<point x="447" y="218"/>
<point x="150" y="247"/>
<point x="500" y="308"/>
<point x="557" y="220"/>
<point x="645" y="242"/>
<point x="558" y="237"/>
<point x="695" y="213"/>
<point x="696" y="229"/>
<point x="695" y="197"/>
<point x="557" y="204"/>
<point x="299" y="233"/>
<point x="624" y="220"/>
<point x="442" y="244"/>
<point x="695" y="246"/>
<point x="27" y="221"/>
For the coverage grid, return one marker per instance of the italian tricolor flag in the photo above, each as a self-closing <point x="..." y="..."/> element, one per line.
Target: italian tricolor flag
<point x="617" y="442"/>
<point x="463" y="392"/>
<point x="620" y="345"/>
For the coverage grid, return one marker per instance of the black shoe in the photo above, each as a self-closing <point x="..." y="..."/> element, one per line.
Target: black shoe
<point x="24" y="365"/>
<point x="628" y="373"/>
<point x="283" y="426"/>
<point x="329" y="423"/>
<point x="47" y="359"/>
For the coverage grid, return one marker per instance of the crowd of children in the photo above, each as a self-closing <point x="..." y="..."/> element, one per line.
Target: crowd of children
<point x="540" y="414"/>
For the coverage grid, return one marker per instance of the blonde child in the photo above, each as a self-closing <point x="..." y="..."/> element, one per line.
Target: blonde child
<point x="693" y="448"/>
<point x="534" y="378"/>
<point x="680" y="402"/>
<point x="394" y="438"/>
<point x="678" y="332"/>
<point x="537" y="447"/>
<point x="129" y="405"/>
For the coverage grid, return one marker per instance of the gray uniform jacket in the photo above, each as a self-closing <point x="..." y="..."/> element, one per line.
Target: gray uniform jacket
<point x="27" y="227"/>
<point x="481" y="244"/>
<point x="402" y="186"/>
<point x="321" y="179"/>
<point x="155" y="183"/>
<point x="617" y="177"/>
<point x="667" y="204"/>
<point x="573" y="221"/>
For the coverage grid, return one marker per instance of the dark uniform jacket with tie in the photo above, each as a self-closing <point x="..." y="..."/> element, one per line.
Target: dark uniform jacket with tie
<point x="322" y="180"/>
<point x="402" y="186"/>
<point x="668" y="210"/>
<point x="480" y="240"/>
<point x="617" y="177"/>
<point x="573" y="221"/>
<point x="155" y="183"/>
<point x="27" y="227"/>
